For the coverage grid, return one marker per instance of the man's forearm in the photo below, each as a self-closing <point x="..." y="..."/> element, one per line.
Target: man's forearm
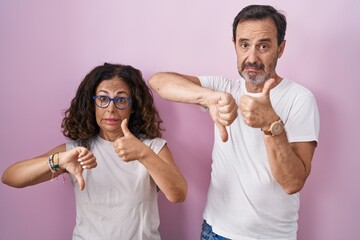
<point x="290" y="163"/>
<point x="178" y="88"/>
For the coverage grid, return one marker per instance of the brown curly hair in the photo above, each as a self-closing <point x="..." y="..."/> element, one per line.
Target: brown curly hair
<point x="79" y="123"/>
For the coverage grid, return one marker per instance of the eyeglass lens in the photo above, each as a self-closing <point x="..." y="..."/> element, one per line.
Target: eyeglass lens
<point x="104" y="101"/>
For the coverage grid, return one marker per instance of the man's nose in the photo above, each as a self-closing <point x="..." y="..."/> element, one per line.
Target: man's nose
<point x="252" y="55"/>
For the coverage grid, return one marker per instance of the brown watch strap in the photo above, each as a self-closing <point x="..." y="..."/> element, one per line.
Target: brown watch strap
<point x="269" y="132"/>
<point x="266" y="132"/>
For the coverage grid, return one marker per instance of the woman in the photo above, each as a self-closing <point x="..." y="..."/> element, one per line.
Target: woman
<point x="114" y="130"/>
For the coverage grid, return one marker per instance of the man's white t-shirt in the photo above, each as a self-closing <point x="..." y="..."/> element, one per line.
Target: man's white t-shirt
<point x="245" y="202"/>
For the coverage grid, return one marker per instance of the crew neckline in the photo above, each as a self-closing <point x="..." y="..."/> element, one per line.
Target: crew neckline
<point x="246" y="92"/>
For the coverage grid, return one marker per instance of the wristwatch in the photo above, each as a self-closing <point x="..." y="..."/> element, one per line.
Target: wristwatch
<point x="276" y="128"/>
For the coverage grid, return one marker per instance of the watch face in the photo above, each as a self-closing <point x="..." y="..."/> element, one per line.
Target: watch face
<point x="277" y="129"/>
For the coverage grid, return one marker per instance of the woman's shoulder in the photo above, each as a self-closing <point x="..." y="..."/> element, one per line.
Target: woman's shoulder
<point x="156" y="144"/>
<point x="70" y="144"/>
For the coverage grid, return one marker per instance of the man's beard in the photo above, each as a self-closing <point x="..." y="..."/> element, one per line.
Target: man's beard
<point x="257" y="79"/>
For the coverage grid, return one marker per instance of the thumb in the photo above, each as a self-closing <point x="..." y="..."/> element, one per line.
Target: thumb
<point x="267" y="86"/>
<point x="80" y="180"/>
<point x="80" y="151"/>
<point x="223" y="132"/>
<point x="124" y="128"/>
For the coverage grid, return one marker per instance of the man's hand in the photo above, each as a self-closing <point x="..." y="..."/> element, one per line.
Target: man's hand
<point x="223" y="111"/>
<point x="258" y="112"/>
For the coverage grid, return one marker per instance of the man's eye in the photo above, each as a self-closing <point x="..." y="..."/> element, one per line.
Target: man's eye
<point x="263" y="46"/>
<point x="244" y="45"/>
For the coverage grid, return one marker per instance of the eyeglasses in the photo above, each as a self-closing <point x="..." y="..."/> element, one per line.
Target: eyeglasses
<point x="120" y="103"/>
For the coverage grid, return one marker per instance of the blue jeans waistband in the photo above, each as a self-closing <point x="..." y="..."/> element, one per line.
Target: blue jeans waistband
<point x="208" y="234"/>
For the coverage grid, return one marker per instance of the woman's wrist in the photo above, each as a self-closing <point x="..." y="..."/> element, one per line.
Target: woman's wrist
<point x="62" y="165"/>
<point x="54" y="165"/>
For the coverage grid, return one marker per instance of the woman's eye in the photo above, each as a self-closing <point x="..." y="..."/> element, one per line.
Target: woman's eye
<point x="121" y="100"/>
<point x="103" y="98"/>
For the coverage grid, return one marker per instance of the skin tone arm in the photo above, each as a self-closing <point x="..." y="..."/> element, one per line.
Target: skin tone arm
<point x="36" y="170"/>
<point x="290" y="163"/>
<point x="187" y="89"/>
<point x="161" y="167"/>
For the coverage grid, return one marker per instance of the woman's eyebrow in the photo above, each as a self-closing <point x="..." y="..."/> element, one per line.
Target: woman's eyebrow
<point x="104" y="92"/>
<point x="117" y="93"/>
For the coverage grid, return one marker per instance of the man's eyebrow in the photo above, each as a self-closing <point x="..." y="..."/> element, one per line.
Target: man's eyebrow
<point x="243" y="39"/>
<point x="261" y="40"/>
<point x="265" y="40"/>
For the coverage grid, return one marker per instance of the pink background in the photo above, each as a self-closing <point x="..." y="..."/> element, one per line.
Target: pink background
<point x="47" y="47"/>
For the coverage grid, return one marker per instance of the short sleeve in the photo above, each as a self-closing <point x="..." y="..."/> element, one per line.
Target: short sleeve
<point x="156" y="144"/>
<point x="304" y="120"/>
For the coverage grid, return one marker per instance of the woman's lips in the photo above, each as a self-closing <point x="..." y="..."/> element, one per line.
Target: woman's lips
<point x="111" y="120"/>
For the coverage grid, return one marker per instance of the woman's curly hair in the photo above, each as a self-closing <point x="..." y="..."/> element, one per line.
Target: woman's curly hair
<point x="79" y="123"/>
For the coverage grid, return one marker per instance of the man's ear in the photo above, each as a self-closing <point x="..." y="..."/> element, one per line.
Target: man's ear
<point x="281" y="48"/>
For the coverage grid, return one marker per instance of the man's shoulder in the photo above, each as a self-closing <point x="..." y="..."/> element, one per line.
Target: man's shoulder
<point x="291" y="87"/>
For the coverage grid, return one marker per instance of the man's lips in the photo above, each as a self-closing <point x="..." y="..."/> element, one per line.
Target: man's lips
<point x="252" y="69"/>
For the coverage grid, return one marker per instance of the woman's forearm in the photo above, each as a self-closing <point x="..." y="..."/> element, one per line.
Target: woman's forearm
<point x="30" y="172"/>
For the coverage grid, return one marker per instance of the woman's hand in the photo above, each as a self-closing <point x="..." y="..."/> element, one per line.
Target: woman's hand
<point x="128" y="147"/>
<point x="75" y="161"/>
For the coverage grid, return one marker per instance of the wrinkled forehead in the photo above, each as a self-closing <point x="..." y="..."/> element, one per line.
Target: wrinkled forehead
<point x="114" y="86"/>
<point x="256" y="29"/>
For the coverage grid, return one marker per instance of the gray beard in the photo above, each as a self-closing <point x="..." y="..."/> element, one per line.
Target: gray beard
<point x="257" y="80"/>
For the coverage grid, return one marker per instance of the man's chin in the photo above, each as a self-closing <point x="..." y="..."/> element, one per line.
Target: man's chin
<point x="253" y="80"/>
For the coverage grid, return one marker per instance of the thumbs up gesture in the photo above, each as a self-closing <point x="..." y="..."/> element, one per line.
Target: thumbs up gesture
<point x="128" y="147"/>
<point x="258" y="112"/>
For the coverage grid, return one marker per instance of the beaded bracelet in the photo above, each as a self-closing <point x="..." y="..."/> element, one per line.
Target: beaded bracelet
<point x="56" y="162"/>
<point x="54" y="166"/>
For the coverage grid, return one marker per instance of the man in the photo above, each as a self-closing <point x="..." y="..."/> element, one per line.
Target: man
<point x="262" y="159"/>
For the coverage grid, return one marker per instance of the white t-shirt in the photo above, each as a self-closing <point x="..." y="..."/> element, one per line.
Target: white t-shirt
<point x="245" y="202"/>
<point x="120" y="198"/>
